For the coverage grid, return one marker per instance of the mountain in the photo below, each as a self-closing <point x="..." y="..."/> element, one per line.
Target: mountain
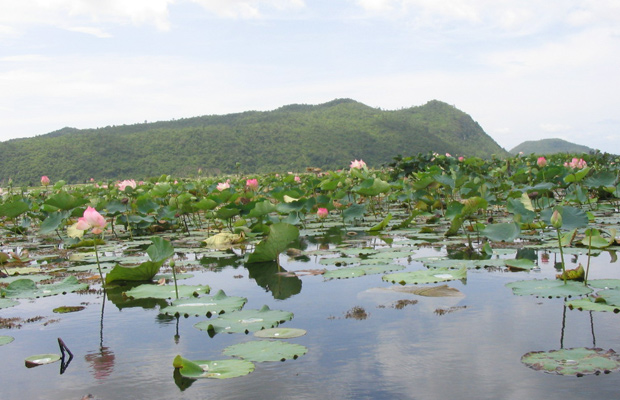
<point x="550" y="146"/>
<point x="290" y="138"/>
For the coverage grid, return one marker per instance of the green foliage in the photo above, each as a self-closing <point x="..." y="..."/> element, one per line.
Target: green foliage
<point x="290" y="138"/>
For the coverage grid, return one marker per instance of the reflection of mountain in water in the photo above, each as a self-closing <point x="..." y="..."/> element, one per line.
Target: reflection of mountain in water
<point x="268" y="276"/>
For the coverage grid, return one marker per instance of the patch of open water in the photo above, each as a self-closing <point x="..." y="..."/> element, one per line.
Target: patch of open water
<point x="416" y="352"/>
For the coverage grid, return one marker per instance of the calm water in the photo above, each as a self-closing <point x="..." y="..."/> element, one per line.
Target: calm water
<point x="409" y="353"/>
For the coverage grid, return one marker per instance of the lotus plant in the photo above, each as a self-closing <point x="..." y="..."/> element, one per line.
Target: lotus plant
<point x="91" y="219"/>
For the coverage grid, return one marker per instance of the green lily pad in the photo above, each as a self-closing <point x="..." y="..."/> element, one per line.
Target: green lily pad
<point x="27" y="289"/>
<point x="216" y="304"/>
<point x="451" y="264"/>
<point x="41" y="359"/>
<point x="6" y="303"/>
<point x="245" y="321"/>
<point x="604" y="283"/>
<point x="158" y="252"/>
<point x="280" y="333"/>
<point x="35" y="278"/>
<point x="548" y="288"/>
<point x="521" y="263"/>
<point x="344" y="273"/>
<point x="338" y="261"/>
<point x="218" y="369"/>
<point x="6" y="340"/>
<point x="266" y="350"/>
<point x="68" y="309"/>
<point x="426" y="276"/>
<point x="166" y="291"/>
<point x="587" y="304"/>
<point x="504" y="232"/>
<point x="611" y="296"/>
<point x="577" y="361"/>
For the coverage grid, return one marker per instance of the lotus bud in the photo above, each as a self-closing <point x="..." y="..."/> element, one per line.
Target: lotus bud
<point x="556" y="219"/>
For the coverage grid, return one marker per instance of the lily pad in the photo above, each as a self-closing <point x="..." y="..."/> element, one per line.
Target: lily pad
<point x="611" y="296"/>
<point x="218" y="369"/>
<point x="6" y="303"/>
<point x="587" y="304"/>
<point x="426" y="276"/>
<point x="266" y="350"/>
<point x="166" y="291"/>
<point x="27" y="289"/>
<point x="577" y="361"/>
<point x="344" y="273"/>
<point x="41" y="359"/>
<point x="548" y="288"/>
<point x="245" y="321"/>
<point x="280" y="333"/>
<point x="6" y="340"/>
<point x="280" y="235"/>
<point x="216" y="304"/>
<point x="604" y="283"/>
<point x="68" y="309"/>
<point x="520" y="264"/>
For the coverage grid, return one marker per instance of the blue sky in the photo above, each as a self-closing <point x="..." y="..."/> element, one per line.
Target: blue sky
<point x="523" y="69"/>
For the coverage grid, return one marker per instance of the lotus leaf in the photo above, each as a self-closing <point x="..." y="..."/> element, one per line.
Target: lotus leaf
<point x="587" y="304"/>
<point x="280" y="333"/>
<point x="611" y="296"/>
<point x="67" y="309"/>
<point x="521" y="263"/>
<point x="280" y="235"/>
<point x="41" y="359"/>
<point x="35" y="278"/>
<point x="381" y="225"/>
<point x="572" y="217"/>
<point x="159" y="252"/>
<point x="426" y="276"/>
<point x="548" y="288"/>
<point x="223" y="240"/>
<point x="216" y="304"/>
<point x="245" y="321"/>
<point x="166" y="291"/>
<point x="338" y="261"/>
<point x="6" y="303"/>
<point x="27" y="289"/>
<point x="577" y="361"/>
<point x="505" y="232"/>
<point x="604" y="283"/>
<point x="344" y="273"/>
<point x="218" y="369"/>
<point x="6" y="340"/>
<point x="393" y="254"/>
<point x="452" y="264"/>
<point x="266" y="350"/>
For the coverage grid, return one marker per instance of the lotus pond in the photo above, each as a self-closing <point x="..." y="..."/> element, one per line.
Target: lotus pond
<point x="441" y="281"/>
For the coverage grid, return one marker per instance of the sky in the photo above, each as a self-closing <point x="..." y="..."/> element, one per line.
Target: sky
<point x="523" y="69"/>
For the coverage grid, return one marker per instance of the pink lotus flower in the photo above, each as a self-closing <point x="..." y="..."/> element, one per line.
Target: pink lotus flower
<point x="461" y="158"/>
<point x="541" y="162"/>
<point x="122" y="185"/>
<point x="297" y="179"/>
<point x="45" y="180"/>
<point x="91" y="219"/>
<point x="322" y="213"/>
<point x="359" y="164"/>
<point x="252" y="184"/>
<point x="576" y="163"/>
<point x="223" y="185"/>
<point x="448" y="155"/>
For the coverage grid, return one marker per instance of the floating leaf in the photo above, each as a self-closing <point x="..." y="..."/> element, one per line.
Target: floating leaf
<point x="548" y="288"/>
<point x="428" y="276"/>
<point x="166" y="291"/>
<point x="27" y="289"/>
<point x="611" y="296"/>
<point x="216" y="304"/>
<point x="266" y="350"/>
<point x="280" y="333"/>
<point x="344" y="273"/>
<point x="577" y="361"/>
<point x="41" y="359"/>
<point x="223" y="240"/>
<point x="520" y="264"/>
<point x="587" y="304"/>
<point x="218" y="369"/>
<point x="159" y="252"/>
<point x="6" y="340"/>
<point x="245" y="321"/>
<point x="604" y="283"/>
<point x="6" y="303"/>
<point x="381" y="226"/>
<point x="505" y="232"/>
<point x="67" y="309"/>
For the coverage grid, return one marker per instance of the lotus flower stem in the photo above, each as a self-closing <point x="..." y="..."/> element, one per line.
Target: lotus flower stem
<point x="98" y="265"/>
<point x="561" y="255"/>
<point x="585" y="280"/>
<point x="174" y="276"/>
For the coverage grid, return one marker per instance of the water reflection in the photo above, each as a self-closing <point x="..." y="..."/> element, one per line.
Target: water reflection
<point x="102" y="360"/>
<point x="273" y="278"/>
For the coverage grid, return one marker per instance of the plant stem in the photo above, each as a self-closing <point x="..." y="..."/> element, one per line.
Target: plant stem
<point x="98" y="265"/>
<point x="561" y="255"/>
<point x="585" y="281"/>
<point x="174" y="276"/>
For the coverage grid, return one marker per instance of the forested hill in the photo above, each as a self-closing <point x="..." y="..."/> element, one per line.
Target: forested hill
<point x="550" y="146"/>
<point x="289" y="138"/>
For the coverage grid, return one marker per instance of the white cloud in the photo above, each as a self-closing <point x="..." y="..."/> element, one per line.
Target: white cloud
<point x="554" y="128"/>
<point x="90" y="31"/>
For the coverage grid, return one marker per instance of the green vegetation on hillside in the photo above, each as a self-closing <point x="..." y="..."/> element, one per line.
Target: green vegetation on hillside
<point x="550" y="146"/>
<point x="290" y="138"/>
